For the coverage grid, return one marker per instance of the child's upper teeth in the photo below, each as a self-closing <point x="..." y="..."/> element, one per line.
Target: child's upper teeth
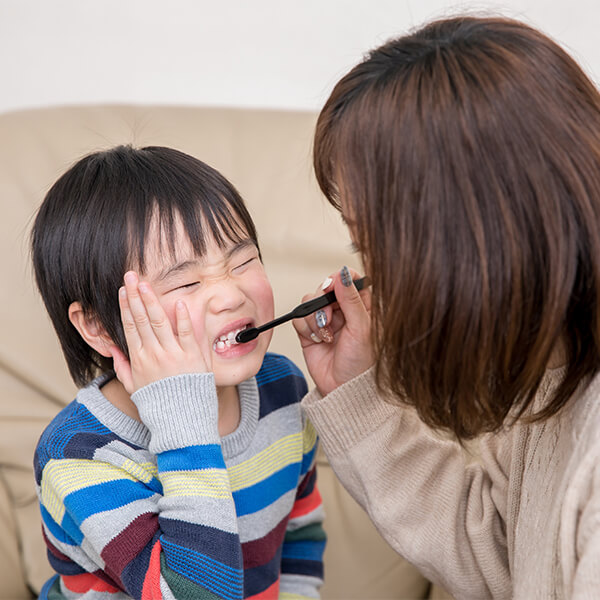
<point x="230" y="337"/>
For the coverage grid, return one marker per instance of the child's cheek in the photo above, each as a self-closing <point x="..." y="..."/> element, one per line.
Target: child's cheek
<point x="264" y="299"/>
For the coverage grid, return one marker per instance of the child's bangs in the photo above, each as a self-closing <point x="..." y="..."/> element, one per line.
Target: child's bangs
<point x="202" y="219"/>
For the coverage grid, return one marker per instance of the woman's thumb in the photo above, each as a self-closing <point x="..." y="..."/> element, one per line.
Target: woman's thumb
<point x="348" y="297"/>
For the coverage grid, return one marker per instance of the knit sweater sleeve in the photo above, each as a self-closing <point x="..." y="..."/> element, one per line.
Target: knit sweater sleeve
<point x="442" y="513"/>
<point x="304" y="543"/>
<point x="177" y="541"/>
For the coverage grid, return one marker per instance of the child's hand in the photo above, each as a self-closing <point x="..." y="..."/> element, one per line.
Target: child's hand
<point x="155" y="351"/>
<point x="341" y="349"/>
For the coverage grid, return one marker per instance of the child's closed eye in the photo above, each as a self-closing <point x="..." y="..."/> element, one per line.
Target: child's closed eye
<point x="186" y="286"/>
<point x="242" y="266"/>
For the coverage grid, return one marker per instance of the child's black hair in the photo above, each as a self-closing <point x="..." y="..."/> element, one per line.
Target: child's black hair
<point x="93" y="225"/>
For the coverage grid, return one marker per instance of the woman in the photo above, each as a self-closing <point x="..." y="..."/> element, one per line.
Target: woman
<point x="465" y="159"/>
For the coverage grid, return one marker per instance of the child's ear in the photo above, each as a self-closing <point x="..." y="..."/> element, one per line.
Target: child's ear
<point x="90" y="330"/>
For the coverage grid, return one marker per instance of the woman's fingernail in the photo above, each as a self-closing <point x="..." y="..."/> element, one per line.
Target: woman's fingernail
<point x="327" y="283"/>
<point x="321" y="318"/>
<point x="326" y="334"/>
<point x="315" y="338"/>
<point x="346" y="277"/>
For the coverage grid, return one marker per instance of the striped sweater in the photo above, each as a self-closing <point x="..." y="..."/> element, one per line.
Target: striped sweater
<point x="166" y="508"/>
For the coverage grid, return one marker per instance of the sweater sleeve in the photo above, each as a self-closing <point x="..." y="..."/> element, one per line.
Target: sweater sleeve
<point x="179" y="540"/>
<point x="442" y="513"/>
<point x="304" y="543"/>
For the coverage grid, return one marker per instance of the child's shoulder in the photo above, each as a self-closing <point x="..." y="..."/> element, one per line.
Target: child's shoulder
<point x="75" y="432"/>
<point x="277" y="367"/>
<point x="280" y="382"/>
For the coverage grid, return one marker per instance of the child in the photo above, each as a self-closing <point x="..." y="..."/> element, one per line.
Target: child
<point x="191" y="473"/>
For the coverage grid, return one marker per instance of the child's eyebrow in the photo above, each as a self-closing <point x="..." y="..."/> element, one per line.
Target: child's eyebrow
<point x="185" y="264"/>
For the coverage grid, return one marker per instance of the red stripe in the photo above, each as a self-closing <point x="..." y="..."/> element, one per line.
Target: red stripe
<point x="307" y="504"/>
<point x="151" y="587"/>
<point x="86" y="582"/>
<point x="53" y="549"/>
<point x="271" y="593"/>
<point x="128" y="544"/>
<point x="259" y="552"/>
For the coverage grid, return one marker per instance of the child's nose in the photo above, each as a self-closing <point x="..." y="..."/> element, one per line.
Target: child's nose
<point x="225" y="295"/>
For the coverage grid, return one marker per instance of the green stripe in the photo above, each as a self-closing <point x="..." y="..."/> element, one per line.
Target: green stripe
<point x="311" y="532"/>
<point x="181" y="587"/>
<point x="54" y="592"/>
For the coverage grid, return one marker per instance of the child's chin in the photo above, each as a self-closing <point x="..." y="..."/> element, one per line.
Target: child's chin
<point x="239" y="370"/>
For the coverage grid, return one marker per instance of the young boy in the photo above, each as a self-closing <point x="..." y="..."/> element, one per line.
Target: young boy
<point x="189" y="474"/>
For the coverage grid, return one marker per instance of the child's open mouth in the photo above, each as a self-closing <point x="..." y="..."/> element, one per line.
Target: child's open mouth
<point x="227" y="340"/>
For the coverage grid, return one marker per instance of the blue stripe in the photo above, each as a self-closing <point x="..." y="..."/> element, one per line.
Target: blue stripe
<point x="312" y="568"/>
<point x="260" y="495"/>
<point x="46" y="587"/>
<point x="209" y="456"/>
<point x="134" y="573"/>
<point x="259" y="578"/>
<point x="104" y="496"/>
<point x="72" y="528"/>
<point x="55" y="528"/>
<point x="203" y="570"/>
<point x="276" y="366"/>
<point x="307" y="460"/>
<point x="224" y="546"/>
<point x="305" y="550"/>
<point x="64" y="567"/>
<point x="275" y="375"/>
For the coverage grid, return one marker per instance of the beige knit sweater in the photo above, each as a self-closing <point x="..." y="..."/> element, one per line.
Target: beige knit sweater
<point x="522" y="521"/>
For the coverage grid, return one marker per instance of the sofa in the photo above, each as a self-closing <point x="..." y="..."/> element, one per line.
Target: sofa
<point x="267" y="155"/>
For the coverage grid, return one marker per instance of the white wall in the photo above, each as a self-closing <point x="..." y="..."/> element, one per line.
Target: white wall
<point x="257" y="53"/>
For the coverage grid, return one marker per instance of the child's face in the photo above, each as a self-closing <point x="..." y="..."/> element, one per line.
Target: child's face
<point x="225" y="290"/>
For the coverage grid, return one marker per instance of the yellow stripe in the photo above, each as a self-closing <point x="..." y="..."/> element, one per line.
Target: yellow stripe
<point x="291" y="596"/>
<point x="144" y="472"/>
<point x="284" y="452"/>
<point x="211" y="483"/>
<point x="310" y="437"/>
<point x="63" y="477"/>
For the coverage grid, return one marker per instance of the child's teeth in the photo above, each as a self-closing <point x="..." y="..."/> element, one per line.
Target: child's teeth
<point x="227" y="340"/>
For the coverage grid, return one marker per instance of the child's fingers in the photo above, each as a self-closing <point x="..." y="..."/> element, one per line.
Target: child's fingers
<point x="187" y="337"/>
<point x="159" y="322"/>
<point x="185" y="330"/>
<point x="129" y="326"/>
<point x="138" y="309"/>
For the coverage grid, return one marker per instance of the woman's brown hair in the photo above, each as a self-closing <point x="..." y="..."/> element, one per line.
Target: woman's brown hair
<point x="466" y="159"/>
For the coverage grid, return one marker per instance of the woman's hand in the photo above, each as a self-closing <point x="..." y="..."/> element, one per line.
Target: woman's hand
<point x="155" y="350"/>
<point x="340" y="349"/>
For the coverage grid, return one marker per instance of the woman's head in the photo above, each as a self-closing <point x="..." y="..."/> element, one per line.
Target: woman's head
<point x="466" y="159"/>
<point x="98" y="220"/>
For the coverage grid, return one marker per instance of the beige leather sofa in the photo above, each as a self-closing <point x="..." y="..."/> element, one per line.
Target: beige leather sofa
<point x="266" y="154"/>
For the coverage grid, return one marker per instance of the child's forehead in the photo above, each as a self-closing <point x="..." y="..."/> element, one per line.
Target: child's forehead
<point x="162" y="260"/>
<point x="167" y="240"/>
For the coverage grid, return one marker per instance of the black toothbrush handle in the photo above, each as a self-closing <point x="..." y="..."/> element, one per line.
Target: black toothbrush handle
<point x="302" y="310"/>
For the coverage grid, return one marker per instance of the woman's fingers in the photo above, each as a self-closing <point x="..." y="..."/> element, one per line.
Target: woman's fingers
<point x="350" y="300"/>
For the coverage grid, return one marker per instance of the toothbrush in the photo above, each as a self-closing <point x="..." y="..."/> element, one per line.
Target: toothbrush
<point x="302" y="310"/>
